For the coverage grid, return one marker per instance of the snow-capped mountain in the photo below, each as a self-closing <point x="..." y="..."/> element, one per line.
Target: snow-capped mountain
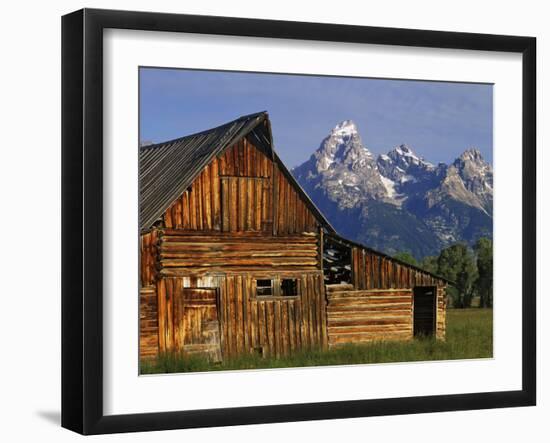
<point x="402" y="165"/>
<point x="398" y="201"/>
<point x="344" y="167"/>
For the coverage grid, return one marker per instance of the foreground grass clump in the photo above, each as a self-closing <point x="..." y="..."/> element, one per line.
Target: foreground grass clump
<point x="469" y="335"/>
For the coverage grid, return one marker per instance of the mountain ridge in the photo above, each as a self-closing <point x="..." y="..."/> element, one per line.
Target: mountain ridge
<point x="400" y="201"/>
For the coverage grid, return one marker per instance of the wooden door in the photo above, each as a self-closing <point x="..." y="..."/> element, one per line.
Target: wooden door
<point x="424" y="311"/>
<point x="196" y="323"/>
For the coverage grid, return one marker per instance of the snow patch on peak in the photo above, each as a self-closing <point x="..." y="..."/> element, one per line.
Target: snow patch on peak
<point x="389" y="185"/>
<point x="405" y="155"/>
<point x="346" y="127"/>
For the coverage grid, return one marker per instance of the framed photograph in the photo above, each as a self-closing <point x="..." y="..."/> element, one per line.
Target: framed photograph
<point x="269" y="221"/>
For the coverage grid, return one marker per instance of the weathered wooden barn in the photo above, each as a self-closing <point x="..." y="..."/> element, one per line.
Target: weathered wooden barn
<point x="235" y="257"/>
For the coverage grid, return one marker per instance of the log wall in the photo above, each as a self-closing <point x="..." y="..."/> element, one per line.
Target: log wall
<point x="361" y="316"/>
<point x="194" y="254"/>
<point x="369" y="315"/>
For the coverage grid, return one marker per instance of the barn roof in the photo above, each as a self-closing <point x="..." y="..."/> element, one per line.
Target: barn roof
<point x="167" y="169"/>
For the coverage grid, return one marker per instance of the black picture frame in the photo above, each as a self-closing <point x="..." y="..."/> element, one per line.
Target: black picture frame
<point x="82" y="215"/>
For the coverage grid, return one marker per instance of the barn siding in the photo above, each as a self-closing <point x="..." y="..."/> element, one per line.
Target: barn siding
<point x="272" y="326"/>
<point x="188" y="318"/>
<point x="441" y="313"/>
<point x="148" y="257"/>
<point x="369" y="315"/>
<point x="241" y="190"/>
<point x="185" y="253"/>
<point x="376" y="271"/>
<point x="148" y="322"/>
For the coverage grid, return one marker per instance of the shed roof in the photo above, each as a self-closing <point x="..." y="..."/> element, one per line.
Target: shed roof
<point x="167" y="169"/>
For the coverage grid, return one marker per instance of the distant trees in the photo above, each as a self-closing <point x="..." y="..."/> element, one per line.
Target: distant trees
<point x="406" y="257"/>
<point x="471" y="269"/>
<point x="484" y="282"/>
<point x="429" y="263"/>
<point x="458" y="264"/>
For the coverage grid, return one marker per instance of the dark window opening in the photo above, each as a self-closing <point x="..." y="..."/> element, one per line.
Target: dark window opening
<point x="289" y="287"/>
<point x="264" y="288"/>
<point x="336" y="262"/>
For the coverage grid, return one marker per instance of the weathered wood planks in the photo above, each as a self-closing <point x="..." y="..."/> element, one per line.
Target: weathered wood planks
<point x="148" y="257"/>
<point x="373" y="270"/>
<point x="241" y="190"/>
<point x="272" y="326"/>
<point x="441" y="318"/>
<point x="148" y="322"/>
<point x="188" y="319"/>
<point x="185" y="254"/>
<point x="359" y="316"/>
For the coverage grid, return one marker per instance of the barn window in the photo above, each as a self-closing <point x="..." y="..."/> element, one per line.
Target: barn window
<point x="264" y="287"/>
<point x="289" y="286"/>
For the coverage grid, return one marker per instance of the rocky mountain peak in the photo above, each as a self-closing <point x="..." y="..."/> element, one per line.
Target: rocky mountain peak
<point x="343" y="146"/>
<point x="403" y="155"/>
<point x="344" y="128"/>
<point x="398" y="200"/>
<point x="477" y="176"/>
<point x="472" y="154"/>
<point x="402" y="165"/>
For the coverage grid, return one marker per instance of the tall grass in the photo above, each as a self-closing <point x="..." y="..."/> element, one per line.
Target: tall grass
<point x="469" y="335"/>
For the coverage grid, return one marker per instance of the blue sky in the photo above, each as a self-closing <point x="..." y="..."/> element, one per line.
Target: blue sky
<point x="439" y="120"/>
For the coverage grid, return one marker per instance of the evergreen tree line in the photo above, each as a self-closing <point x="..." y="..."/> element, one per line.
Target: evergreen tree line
<point x="471" y="269"/>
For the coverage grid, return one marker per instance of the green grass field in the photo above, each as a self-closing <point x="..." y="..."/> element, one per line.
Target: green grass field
<point x="469" y="335"/>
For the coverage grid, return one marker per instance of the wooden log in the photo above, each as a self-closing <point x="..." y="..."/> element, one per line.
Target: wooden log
<point x="271" y="262"/>
<point x="238" y="306"/>
<point x="262" y="328"/>
<point x="258" y="205"/>
<point x="227" y="313"/>
<point x="253" y="326"/>
<point x="233" y="205"/>
<point x="293" y="345"/>
<point x="284" y="328"/>
<point x="234" y="255"/>
<point x="277" y="328"/>
<point x="369" y="321"/>
<point x="323" y="312"/>
<point x="216" y="196"/>
<point x="207" y="198"/>
<point x="198" y="185"/>
<point x="242" y="203"/>
<point x="270" y="328"/>
<point x="275" y="198"/>
<point x="246" y="316"/>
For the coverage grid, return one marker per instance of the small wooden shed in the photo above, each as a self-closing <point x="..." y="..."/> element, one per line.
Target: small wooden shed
<point x="235" y="257"/>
